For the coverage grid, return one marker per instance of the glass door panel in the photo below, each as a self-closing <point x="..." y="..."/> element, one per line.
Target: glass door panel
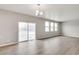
<point x="22" y="31"/>
<point x="31" y="30"/>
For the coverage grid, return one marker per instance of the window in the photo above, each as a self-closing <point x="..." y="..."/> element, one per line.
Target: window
<point x="46" y="26"/>
<point x="52" y="26"/>
<point x="56" y="26"/>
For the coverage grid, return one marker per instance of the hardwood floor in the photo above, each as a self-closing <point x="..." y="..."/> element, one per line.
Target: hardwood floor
<point x="53" y="46"/>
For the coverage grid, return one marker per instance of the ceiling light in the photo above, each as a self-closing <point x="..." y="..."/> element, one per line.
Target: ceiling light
<point x="38" y="12"/>
<point x="41" y="13"/>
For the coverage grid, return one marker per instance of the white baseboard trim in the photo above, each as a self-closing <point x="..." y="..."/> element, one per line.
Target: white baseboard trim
<point x="71" y="36"/>
<point x="48" y="37"/>
<point x="8" y="44"/>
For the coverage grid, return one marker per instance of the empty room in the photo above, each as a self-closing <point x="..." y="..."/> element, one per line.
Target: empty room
<point x="39" y="29"/>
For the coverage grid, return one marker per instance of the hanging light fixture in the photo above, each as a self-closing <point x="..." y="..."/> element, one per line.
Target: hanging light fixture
<point x="38" y="12"/>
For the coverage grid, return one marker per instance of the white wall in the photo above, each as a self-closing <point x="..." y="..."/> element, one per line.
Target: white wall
<point x="9" y="26"/>
<point x="71" y="28"/>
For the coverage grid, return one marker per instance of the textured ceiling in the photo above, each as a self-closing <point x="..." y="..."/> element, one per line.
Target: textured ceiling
<point x="57" y="12"/>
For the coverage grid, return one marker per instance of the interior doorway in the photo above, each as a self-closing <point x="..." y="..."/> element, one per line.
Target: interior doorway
<point x="27" y="31"/>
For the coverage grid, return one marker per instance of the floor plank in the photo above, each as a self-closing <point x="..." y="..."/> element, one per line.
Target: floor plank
<point x="53" y="46"/>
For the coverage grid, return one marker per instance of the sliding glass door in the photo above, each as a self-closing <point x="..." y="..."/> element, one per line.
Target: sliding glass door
<point x="27" y="31"/>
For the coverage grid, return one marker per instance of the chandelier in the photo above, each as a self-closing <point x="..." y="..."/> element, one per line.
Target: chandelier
<point x="38" y="12"/>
